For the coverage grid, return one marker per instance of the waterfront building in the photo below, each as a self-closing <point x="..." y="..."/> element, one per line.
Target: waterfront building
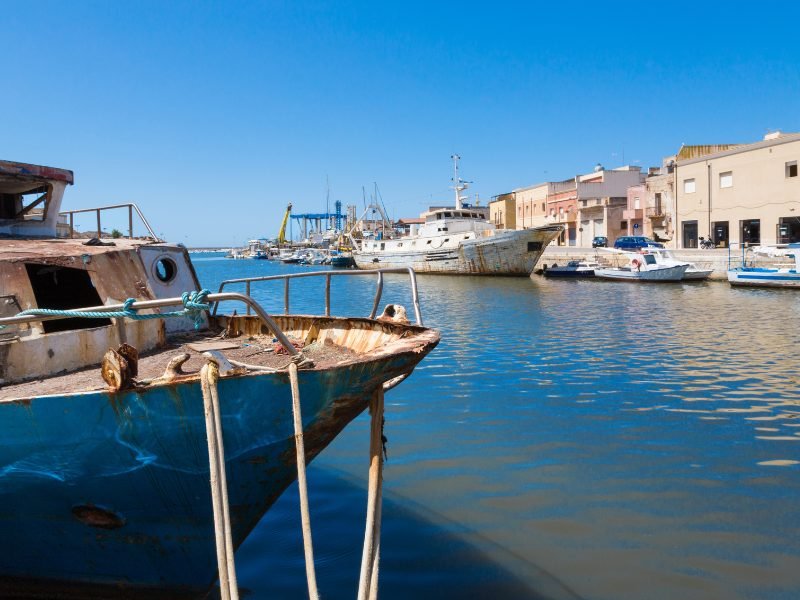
<point x="743" y="193"/>
<point x="586" y="205"/>
<point x="531" y="205"/>
<point x="502" y="211"/>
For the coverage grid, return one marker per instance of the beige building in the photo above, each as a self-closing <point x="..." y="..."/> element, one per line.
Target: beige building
<point x="745" y="194"/>
<point x="531" y="205"/>
<point x="502" y="211"/>
<point x="586" y="205"/>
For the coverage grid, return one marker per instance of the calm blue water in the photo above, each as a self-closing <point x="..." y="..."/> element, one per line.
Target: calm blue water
<point x="567" y="439"/>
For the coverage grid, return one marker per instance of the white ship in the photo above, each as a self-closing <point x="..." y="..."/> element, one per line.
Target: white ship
<point x="459" y="240"/>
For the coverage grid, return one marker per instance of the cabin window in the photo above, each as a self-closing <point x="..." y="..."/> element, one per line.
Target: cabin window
<point x="383" y="246"/>
<point x="446" y="239"/>
<point x="447" y="214"/>
<point x="63" y="288"/>
<point x="399" y="244"/>
<point x="165" y="269"/>
<point x="649" y="259"/>
<point x="24" y="201"/>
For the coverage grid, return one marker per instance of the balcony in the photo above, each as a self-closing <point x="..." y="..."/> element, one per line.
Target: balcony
<point x="633" y="214"/>
<point x="655" y="212"/>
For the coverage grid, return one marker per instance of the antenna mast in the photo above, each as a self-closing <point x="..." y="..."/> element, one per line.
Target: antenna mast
<point x="458" y="184"/>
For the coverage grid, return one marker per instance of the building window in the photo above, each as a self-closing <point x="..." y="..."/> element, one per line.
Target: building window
<point x="688" y="186"/>
<point x="636" y="203"/>
<point x="791" y="169"/>
<point x="726" y="179"/>
<point x="543" y="207"/>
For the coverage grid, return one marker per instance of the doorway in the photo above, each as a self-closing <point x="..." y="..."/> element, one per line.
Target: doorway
<point x="720" y="234"/>
<point x="750" y="231"/>
<point x="690" y="234"/>
<point x="788" y="230"/>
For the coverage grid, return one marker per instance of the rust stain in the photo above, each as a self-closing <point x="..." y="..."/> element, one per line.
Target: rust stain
<point x="97" y="516"/>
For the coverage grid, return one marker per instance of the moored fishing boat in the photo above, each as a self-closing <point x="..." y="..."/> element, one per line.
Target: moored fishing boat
<point x="459" y="240"/>
<point x="749" y="274"/>
<point x="665" y="257"/>
<point x="574" y="269"/>
<point x="641" y="268"/>
<point x="104" y="466"/>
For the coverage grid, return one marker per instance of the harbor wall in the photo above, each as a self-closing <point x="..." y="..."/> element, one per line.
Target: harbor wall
<point x="716" y="259"/>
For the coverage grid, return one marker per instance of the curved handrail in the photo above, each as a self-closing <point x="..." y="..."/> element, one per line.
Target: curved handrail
<point x="328" y="275"/>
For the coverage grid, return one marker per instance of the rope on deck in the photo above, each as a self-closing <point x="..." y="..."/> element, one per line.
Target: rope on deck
<point x="209" y="375"/>
<point x="302" y="486"/>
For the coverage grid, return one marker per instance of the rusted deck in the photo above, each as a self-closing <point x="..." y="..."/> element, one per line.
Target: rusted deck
<point x="259" y="350"/>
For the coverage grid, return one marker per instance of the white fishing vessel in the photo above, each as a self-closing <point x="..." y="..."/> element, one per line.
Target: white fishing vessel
<point x="458" y="240"/>
<point x="641" y="267"/>
<point x="748" y="274"/>
<point x="665" y="257"/>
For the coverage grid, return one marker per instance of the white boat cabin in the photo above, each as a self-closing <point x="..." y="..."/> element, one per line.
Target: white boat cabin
<point x="443" y="227"/>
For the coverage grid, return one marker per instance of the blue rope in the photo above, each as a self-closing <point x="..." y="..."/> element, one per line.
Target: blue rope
<point x="194" y="305"/>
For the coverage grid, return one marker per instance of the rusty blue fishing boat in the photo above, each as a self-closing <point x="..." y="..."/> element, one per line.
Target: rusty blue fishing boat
<point x="104" y="464"/>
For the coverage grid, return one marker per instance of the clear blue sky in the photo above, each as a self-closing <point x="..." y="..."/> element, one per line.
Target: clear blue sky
<point x="213" y="115"/>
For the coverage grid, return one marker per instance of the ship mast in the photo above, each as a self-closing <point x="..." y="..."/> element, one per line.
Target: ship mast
<point x="458" y="184"/>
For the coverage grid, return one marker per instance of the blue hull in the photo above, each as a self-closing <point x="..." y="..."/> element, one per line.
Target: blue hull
<point x="112" y="490"/>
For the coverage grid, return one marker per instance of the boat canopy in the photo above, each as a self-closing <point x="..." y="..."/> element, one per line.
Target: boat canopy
<point x="30" y="198"/>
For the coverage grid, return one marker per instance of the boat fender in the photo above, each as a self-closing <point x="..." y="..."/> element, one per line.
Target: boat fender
<point x="394" y="313"/>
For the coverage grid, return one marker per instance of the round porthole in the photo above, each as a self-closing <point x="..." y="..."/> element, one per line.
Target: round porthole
<point x="165" y="269"/>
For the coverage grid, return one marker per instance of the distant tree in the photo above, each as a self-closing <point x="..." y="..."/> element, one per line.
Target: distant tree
<point x="116" y="233"/>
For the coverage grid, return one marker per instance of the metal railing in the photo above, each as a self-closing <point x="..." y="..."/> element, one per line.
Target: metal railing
<point x="163" y="303"/>
<point x="328" y="275"/>
<point x="131" y="208"/>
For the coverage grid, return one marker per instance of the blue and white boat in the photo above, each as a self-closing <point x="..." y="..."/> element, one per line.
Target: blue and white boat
<point x="104" y="460"/>
<point x="783" y="274"/>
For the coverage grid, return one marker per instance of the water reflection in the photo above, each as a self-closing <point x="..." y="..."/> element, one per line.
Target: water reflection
<point x="632" y="441"/>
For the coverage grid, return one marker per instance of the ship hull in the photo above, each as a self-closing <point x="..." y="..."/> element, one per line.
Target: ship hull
<point x="109" y="492"/>
<point x="513" y="252"/>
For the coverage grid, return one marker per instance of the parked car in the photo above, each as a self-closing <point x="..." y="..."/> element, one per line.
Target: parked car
<point x="600" y="241"/>
<point x="636" y="242"/>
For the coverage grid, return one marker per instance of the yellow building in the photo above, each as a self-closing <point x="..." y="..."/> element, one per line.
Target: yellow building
<point x="746" y="194"/>
<point x="502" y="213"/>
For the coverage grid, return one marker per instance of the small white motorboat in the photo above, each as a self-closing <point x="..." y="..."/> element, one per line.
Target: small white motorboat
<point x="642" y="267"/>
<point x="665" y="257"/>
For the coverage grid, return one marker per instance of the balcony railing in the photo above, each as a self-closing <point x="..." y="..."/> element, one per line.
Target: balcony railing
<point x="655" y="212"/>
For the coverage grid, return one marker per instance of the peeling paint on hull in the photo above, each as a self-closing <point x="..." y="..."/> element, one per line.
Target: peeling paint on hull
<point x="505" y="253"/>
<point x="115" y="486"/>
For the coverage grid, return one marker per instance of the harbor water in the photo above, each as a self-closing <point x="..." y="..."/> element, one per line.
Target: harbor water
<point x="567" y="439"/>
